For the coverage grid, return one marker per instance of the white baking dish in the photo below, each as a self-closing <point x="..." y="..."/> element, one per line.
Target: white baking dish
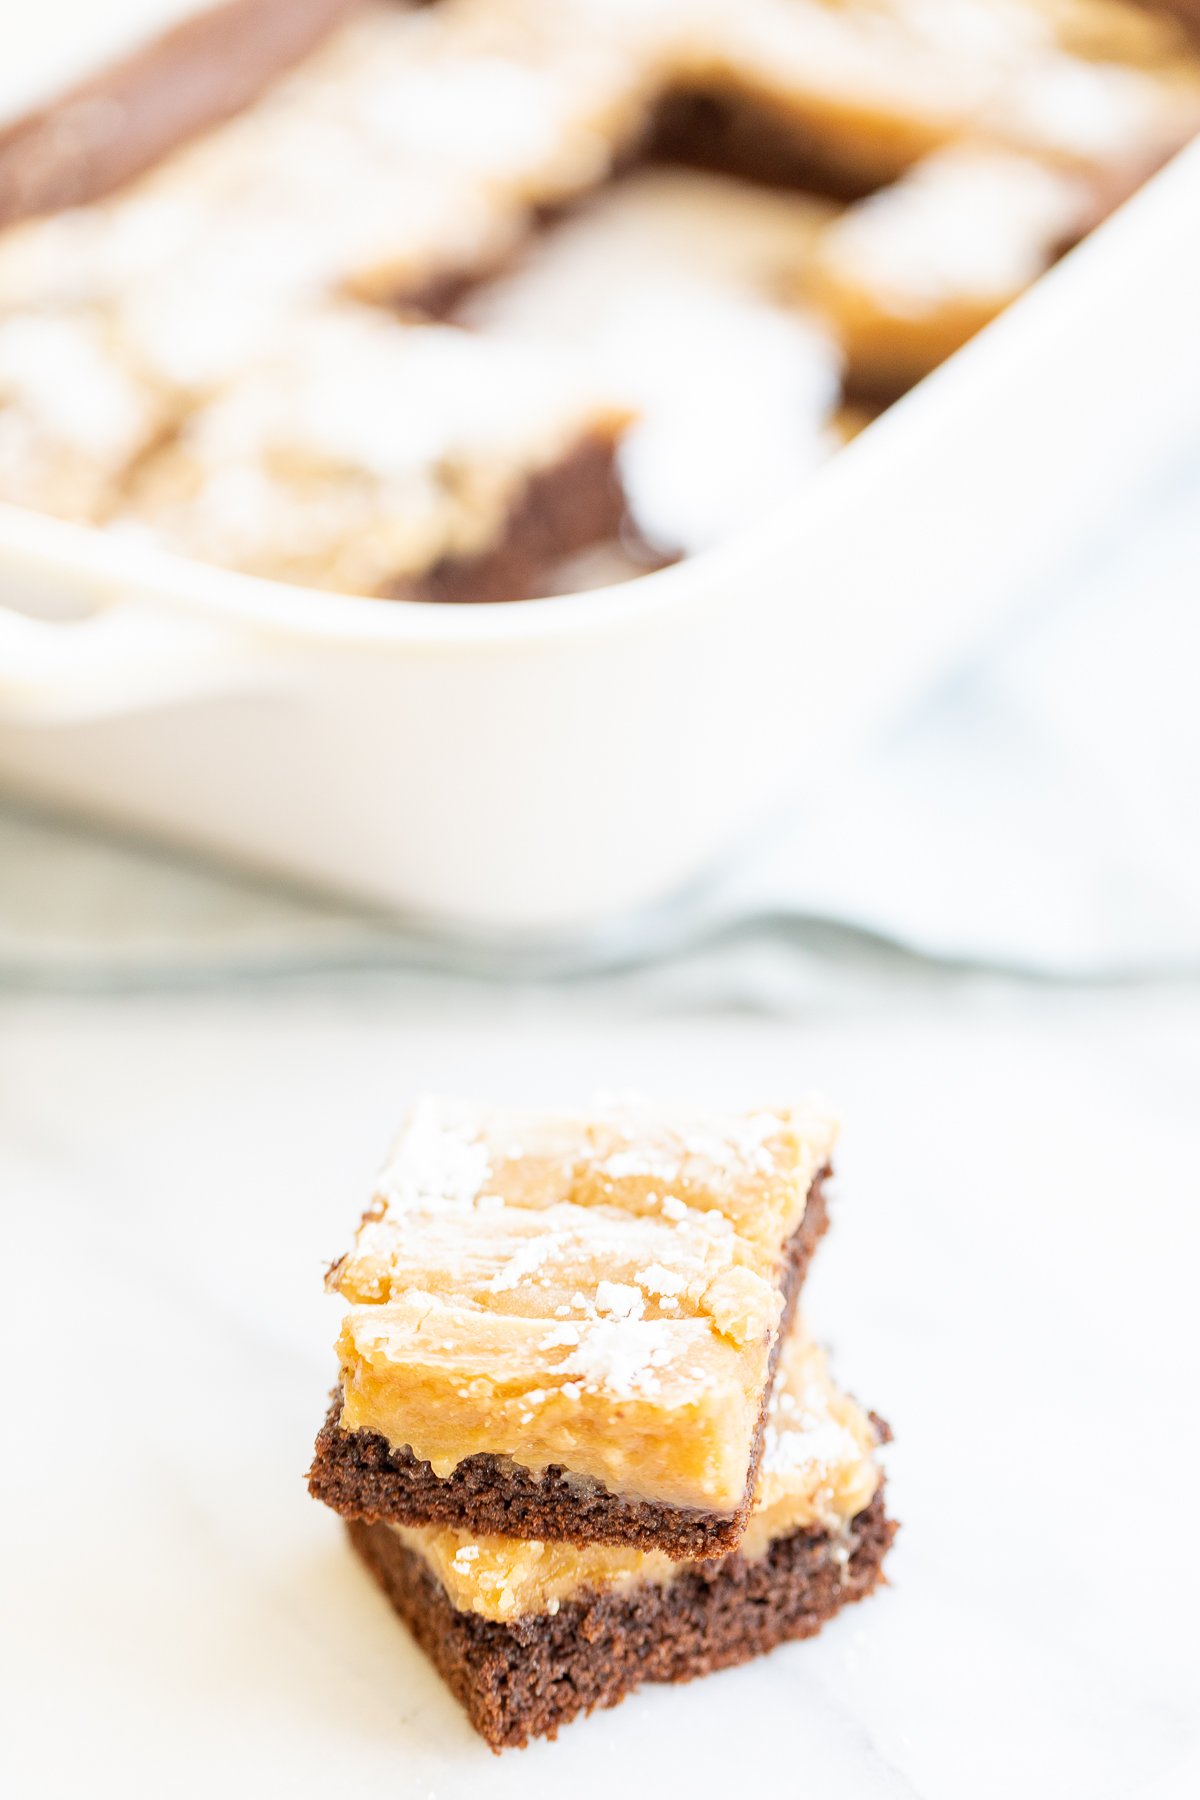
<point x="541" y="766"/>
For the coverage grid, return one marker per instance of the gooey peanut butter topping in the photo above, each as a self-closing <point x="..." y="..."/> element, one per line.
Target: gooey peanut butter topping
<point x="818" y="1471"/>
<point x="600" y="1292"/>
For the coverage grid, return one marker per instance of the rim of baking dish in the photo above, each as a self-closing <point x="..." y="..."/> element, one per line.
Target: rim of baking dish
<point x="56" y="553"/>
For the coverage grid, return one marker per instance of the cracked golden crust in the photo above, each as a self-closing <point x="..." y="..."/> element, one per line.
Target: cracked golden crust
<point x="600" y="1294"/>
<point x="358" y="1474"/>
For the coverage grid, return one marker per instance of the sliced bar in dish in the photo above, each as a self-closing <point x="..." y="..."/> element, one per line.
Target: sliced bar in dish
<point x="420" y="462"/>
<point x="909" y="274"/>
<point x="565" y="1326"/>
<point x="528" y="1635"/>
<point x="847" y="97"/>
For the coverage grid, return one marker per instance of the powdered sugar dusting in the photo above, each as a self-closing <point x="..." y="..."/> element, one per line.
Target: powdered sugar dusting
<point x="618" y="1300"/>
<point x="440" y="1156"/>
<point x="661" y="1281"/>
<point x="562" y="1335"/>
<point x="808" y="1442"/>
<point x="524" y="1264"/>
<point x="632" y="1164"/>
<point x="621" y="1357"/>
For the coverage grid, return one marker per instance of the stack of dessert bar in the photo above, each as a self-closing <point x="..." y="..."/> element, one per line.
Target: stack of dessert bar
<point x="581" y="1438"/>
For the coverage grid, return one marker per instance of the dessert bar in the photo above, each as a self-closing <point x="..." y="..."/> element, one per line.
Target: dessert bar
<point x="912" y="272"/>
<point x="529" y="1634"/>
<point x="667" y="271"/>
<point x="411" y="462"/>
<point x="564" y="1327"/>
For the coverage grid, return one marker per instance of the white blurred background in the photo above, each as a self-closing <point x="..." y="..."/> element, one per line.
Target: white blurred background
<point x="981" y="937"/>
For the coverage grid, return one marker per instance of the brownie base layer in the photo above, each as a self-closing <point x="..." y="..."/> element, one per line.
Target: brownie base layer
<point x="110" y="128"/>
<point x="1186" y="11"/>
<point x="361" y="1476"/>
<point x="525" y="1680"/>
<point x="562" y="510"/>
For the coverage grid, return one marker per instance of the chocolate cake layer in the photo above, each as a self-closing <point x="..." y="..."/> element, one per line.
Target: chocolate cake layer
<point x="738" y="135"/>
<point x="527" y="1679"/>
<point x="576" y="503"/>
<point x="1186" y="11"/>
<point x="361" y="1476"/>
<point x="110" y="128"/>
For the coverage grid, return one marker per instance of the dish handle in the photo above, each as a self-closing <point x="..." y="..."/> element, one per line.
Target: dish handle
<point x="129" y="657"/>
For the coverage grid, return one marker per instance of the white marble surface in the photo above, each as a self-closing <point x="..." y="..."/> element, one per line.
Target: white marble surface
<point x="1010" y="1279"/>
